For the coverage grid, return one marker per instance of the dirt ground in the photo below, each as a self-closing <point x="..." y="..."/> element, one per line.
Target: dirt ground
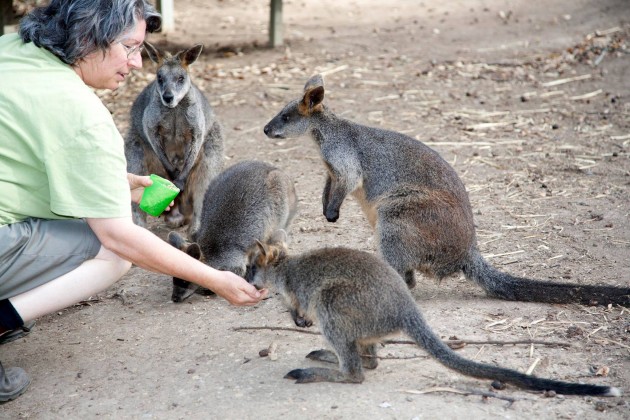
<point x="528" y="100"/>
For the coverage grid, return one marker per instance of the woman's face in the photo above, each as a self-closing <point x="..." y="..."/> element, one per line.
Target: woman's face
<point x="108" y="71"/>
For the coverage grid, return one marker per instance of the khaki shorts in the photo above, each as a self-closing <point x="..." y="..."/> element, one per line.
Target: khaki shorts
<point x="36" y="251"/>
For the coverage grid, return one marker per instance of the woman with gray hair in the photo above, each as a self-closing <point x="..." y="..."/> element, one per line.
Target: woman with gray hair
<point x="66" y="230"/>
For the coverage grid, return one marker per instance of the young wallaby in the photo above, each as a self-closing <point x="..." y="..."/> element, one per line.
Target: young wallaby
<point x="248" y="202"/>
<point x="174" y="133"/>
<point x="414" y="200"/>
<point x="357" y="300"/>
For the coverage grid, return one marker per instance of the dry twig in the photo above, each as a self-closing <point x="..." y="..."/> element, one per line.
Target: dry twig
<point x="277" y="329"/>
<point x="485" y="394"/>
<point x="451" y="343"/>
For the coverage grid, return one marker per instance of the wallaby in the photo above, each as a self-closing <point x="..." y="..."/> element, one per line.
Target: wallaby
<point x="357" y="299"/>
<point x="414" y="200"/>
<point x="174" y="133"/>
<point x="247" y="202"/>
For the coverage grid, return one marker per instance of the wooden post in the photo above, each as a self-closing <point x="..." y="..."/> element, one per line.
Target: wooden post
<point x="167" y="10"/>
<point x="275" y="24"/>
<point x="6" y="14"/>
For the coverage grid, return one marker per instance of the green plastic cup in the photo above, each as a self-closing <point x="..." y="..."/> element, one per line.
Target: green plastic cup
<point x="158" y="196"/>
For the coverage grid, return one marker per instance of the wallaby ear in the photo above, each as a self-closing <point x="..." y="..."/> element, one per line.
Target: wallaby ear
<point x="176" y="240"/>
<point x="190" y="55"/>
<point x="312" y="101"/>
<point x="261" y="247"/>
<point x="313" y="82"/>
<point x="154" y="54"/>
<point x="279" y="237"/>
<point x="194" y="251"/>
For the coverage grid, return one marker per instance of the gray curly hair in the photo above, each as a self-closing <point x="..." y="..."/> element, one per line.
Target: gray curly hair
<point x="73" y="29"/>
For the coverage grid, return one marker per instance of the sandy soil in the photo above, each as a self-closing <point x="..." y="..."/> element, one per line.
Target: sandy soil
<point x="545" y="163"/>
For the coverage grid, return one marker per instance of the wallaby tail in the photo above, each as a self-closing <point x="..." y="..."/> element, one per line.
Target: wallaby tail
<point x="417" y="328"/>
<point x="506" y="286"/>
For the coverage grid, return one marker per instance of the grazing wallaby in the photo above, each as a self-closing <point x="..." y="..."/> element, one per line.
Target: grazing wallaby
<point x="245" y="203"/>
<point x="414" y="200"/>
<point x="174" y="133"/>
<point x="357" y="299"/>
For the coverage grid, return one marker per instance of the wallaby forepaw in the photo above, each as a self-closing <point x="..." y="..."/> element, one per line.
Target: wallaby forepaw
<point x="325" y="356"/>
<point x="410" y="279"/>
<point x="174" y="219"/>
<point x="204" y="292"/>
<point x="303" y="322"/>
<point x="139" y="219"/>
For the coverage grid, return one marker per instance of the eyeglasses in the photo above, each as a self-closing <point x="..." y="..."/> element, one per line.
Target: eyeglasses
<point x="132" y="50"/>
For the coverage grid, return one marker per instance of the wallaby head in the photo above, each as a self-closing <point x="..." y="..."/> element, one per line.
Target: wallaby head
<point x="172" y="79"/>
<point x="263" y="257"/>
<point x="295" y="119"/>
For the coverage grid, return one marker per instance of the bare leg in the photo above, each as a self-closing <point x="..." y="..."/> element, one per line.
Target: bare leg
<point x="89" y="278"/>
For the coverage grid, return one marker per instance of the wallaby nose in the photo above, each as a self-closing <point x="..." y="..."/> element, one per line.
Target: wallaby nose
<point x="168" y="97"/>
<point x="267" y="130"/>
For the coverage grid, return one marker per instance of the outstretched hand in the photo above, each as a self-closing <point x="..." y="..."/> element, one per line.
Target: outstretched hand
<point x="237" y="290"/>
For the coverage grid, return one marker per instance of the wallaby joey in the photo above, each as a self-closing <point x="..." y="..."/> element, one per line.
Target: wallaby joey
<point x="357" y="299"/>
<point x="248" y="202"/>
<point x="174" y="133"/>
<point x="414" y="200"/>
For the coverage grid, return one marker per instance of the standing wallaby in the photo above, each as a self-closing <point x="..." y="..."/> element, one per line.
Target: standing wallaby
<point x="245" y="203"/>
<point x="414" y="200"/>
<point x="174" y="133"/>
<point x="357" y="299"/>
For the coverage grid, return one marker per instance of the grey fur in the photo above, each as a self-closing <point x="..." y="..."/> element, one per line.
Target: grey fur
<point x="248" y="202"/>
<point x="174" y="133"/>
<point x="414" y="200"/>
<point x="357" y="299"/>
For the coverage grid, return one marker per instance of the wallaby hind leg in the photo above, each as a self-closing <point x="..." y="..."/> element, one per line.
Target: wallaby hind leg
<point x="209" y="165"/>
<point x="368" y="356"/>
<point x="392" y="251"/>
<point x="416" y="231"/>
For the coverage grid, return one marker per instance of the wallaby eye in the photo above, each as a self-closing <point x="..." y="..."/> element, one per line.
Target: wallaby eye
<point x="286" y="118"/>
<point x="160" y="79"/>
<point x="180" y="79"/>
<point x="250" y="272"/>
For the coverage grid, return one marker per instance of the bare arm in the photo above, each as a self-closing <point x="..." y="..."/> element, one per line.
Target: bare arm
<point x="146" y="250"/>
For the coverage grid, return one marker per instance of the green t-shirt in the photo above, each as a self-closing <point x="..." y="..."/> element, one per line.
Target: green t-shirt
<point x="61" y="155"/>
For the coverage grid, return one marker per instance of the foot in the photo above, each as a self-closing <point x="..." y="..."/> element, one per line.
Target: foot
<point x="12" y="335"/>
<point x="13" y="383"/>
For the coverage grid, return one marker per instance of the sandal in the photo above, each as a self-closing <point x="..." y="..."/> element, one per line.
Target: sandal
<point x="17" y="333"/>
